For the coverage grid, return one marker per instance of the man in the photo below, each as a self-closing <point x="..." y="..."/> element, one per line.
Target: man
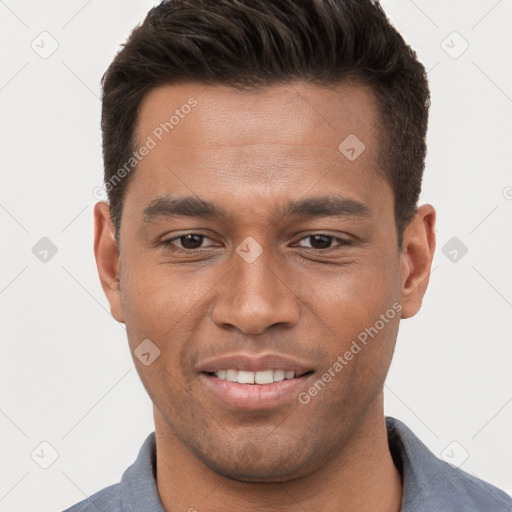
<point x="262" y="242"/>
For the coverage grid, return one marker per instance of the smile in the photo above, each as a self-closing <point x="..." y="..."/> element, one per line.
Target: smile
<point x="247" y="377"/>
<point x="262" y="390"/>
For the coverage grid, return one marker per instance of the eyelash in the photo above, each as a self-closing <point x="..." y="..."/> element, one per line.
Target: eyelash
<point x="168" y="243"/>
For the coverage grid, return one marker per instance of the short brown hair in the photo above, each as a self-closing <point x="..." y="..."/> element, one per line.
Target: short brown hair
<point x="255" y="43"/>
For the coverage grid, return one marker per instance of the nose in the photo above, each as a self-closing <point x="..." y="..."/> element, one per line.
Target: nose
<point x="255" y="296"/>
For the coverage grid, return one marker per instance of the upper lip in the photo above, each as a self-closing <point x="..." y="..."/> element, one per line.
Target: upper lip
<point x="254" y="363"/>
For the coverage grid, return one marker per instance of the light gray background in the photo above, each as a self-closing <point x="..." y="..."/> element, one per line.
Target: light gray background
<point x="67" y="377"/>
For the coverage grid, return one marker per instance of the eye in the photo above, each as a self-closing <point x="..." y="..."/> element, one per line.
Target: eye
<point x="321" y="241"/>
<point x="186" y="242"/>
<point x="190" y="242"/>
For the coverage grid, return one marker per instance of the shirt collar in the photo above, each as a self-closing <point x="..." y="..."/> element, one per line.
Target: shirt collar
<point x="432" y="484"/>
<point x="428" y="482"/>
<point x="138" y="484"/>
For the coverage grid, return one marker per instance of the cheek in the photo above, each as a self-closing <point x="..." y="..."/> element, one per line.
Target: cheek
<point x="155" y="310"/>
<point x="354" y="297"/>
<point x="163" y="306"/>
<point x="358" y="314"/>
<point x="157" y="300"/>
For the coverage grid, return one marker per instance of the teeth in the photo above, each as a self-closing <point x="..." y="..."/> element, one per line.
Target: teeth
<point x="279" y="375"/>
<point x="231" y="375"/>
<point x="245" y="377"/>
<point x="263" y="377"/>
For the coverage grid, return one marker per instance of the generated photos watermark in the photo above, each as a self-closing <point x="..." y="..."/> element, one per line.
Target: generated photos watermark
<point x="355" y="348"/>
<point x="157" y="135"/>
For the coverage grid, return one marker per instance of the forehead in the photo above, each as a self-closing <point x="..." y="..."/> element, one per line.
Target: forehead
<point x="282" y="139"/>
<point x="283" y="113"/>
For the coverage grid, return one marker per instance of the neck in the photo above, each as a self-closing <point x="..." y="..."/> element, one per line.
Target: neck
<point x="361" y="478"/>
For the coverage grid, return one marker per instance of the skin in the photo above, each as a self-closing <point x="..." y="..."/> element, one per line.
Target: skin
<point x="248" y="152"/>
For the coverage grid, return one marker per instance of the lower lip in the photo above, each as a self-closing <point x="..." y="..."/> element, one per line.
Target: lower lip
<point x="255" y="396"/>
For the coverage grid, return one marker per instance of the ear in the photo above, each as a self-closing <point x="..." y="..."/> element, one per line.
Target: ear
<point x="419" y="243"/>
<point x="107" y="257"/>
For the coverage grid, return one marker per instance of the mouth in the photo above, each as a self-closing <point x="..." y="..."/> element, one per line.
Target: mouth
<point x="260" y="390"/>
<point x="262" y="377"/>
<point x="254" y="381"/>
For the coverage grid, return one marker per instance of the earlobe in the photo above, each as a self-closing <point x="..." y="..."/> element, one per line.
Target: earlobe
<point x="107" y="258"/>
<point x="419" y="244"/>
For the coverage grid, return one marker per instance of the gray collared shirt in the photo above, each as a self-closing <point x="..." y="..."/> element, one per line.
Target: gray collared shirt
<point x="429" y="484"/>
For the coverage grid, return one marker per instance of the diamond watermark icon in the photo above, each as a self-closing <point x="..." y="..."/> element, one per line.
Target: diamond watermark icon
<point x="454" y="45"/>
<point x="44" y="250"/>
<point x="455" y="454"/>
<point x="352" y="147"/>
<point x="44" y="455"/>
<point x="45" y="45"/>
<point x="454" y="249"/>
<point x="147" y="352"/>
<point x="249" y="249"/>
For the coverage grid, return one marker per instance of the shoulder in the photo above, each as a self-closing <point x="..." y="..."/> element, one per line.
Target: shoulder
<point x="137" y="489"/>
<point x="106" y="500"/>
<point x="472" y="493"/>
<point x="433" y="484"/>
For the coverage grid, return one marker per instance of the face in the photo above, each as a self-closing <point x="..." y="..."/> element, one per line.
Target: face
<point x="253" y="247"/>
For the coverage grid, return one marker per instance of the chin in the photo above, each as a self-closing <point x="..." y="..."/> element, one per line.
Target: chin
<point x="259" y="464"/>
<point x="263" y="473"/>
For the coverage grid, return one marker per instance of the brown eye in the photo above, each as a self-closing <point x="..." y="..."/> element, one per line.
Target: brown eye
<point x="187" y="242"/>
<point x="323" y="241"/>
<point x="191" y="241"/>
<point x="320" y="241"/>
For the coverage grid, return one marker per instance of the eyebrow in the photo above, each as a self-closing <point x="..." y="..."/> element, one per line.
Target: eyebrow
<point x="324" y="206"/>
